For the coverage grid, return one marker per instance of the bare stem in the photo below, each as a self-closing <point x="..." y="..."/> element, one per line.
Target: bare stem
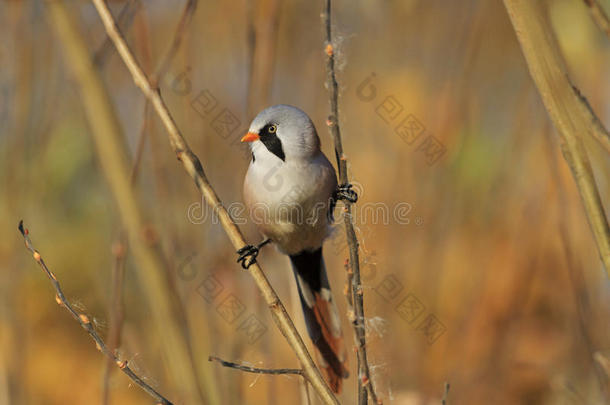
<point x="85" y="322"/>
<point x="126" y="15"/>
<point x="599" y="132"/>
<point x="599" y="16"/>
<point x="185" y="19"/>
<point x="193" y="167"/>
<point x="445" y="394"/>
<point x="255" y="370"/>
<point x="571" y="118"/>
<point x="263" y="39"/>
<point x="116" y="312"/>
<point x="119" y="251"/>
<point x="365" y="382"/>
<point x="575" y="274"/>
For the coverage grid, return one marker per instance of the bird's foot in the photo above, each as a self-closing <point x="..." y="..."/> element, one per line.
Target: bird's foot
<point x="345" y="192"/>
<point x="247" y="254"/>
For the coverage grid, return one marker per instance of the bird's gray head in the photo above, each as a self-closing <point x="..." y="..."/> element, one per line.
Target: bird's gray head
<point x="282" y="132"/>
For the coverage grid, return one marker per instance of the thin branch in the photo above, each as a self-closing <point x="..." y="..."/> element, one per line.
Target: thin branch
<point x="135" y="169"/>
<point x="120" y="246"/>
<point x="185" y="19"/>
<point x="351" y="315"/>
<point x="125" y="19"/>
<point x="194" y="168"/>
<point x="599" y="16"/>
<point x="445" y="394"/>
<point x="577" y="282"/>
<point x="116" y="311"/>
<point x="603" y="362"/>
<point x="599" y="132"/>
<point x="564" y="106"/>
<point x="263" y="41"/>
<point x="255" y="370"/>
<point x="84" y="321"/>
<point x="364" y="376"/>
<point x="119" y="251"/>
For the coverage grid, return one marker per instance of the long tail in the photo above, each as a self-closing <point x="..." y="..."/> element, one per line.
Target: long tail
<point x="321" y="315"/>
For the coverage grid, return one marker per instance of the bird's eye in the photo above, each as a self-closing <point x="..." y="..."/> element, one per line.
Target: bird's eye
<point x="272" y="129"/>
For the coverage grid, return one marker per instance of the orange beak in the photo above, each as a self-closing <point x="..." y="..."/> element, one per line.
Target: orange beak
<point x="250" y="137"/>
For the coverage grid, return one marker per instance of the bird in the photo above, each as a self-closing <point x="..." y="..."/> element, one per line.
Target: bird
<point x="290" y="191"/>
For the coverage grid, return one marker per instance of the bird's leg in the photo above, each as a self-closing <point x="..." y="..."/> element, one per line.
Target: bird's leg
<point x="345" y="192"/>
<point x="247" y="254"/>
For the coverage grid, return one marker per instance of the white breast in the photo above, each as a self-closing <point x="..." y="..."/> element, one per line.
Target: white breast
<point x="289" y="201"/>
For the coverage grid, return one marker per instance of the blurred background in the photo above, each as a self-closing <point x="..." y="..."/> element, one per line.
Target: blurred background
<point x="479" y="267"/>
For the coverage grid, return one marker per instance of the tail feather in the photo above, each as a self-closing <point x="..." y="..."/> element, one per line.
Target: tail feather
<point x="321" y="315"/>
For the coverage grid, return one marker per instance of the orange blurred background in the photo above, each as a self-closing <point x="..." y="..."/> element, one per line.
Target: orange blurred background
<point x="475" y="284"/>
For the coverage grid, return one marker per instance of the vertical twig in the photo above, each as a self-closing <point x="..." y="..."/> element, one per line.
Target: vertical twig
<point x="185" y="19"/>
<point x="599" y="16"/>
<point x="351" y="314"/>
<point x="119" y="251"/>
<point x="125" y="19"/>
<point x="577" y="282"/>
<point x="119" y="247"/>
<point x="263" y="39"/>
<point x="84" y="321"/>
<point x="564" y="106"/>
<point x="194" y="168"/>
<point x="116" y="313"/>
<point x="364" y="378"/>
<point x="445" y="394"/>
<point x="603" y="362"/>
<point x="599" y="132"/>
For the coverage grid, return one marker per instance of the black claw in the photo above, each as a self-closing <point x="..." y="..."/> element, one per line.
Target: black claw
<point x="345" y="192"/>
<point x="247" y="256"/>
<point x="250" y="251"/>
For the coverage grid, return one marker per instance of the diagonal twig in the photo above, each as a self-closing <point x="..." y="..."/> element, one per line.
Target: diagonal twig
<point x="185" y="19"/>
<point x="126" y="15"/>
<point x="262" y="41"/>
<point x="364" y="377"/>
<point x="85" y="322"/>
<point x="256" y="370"/>
<point x="445" y="394"/>
<point x="599" y="132"/>
<point x="194" y="168"/>
<point x="119" y="251"/>
<point x="575" y="273"/>
<point x="599" y="15"/>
